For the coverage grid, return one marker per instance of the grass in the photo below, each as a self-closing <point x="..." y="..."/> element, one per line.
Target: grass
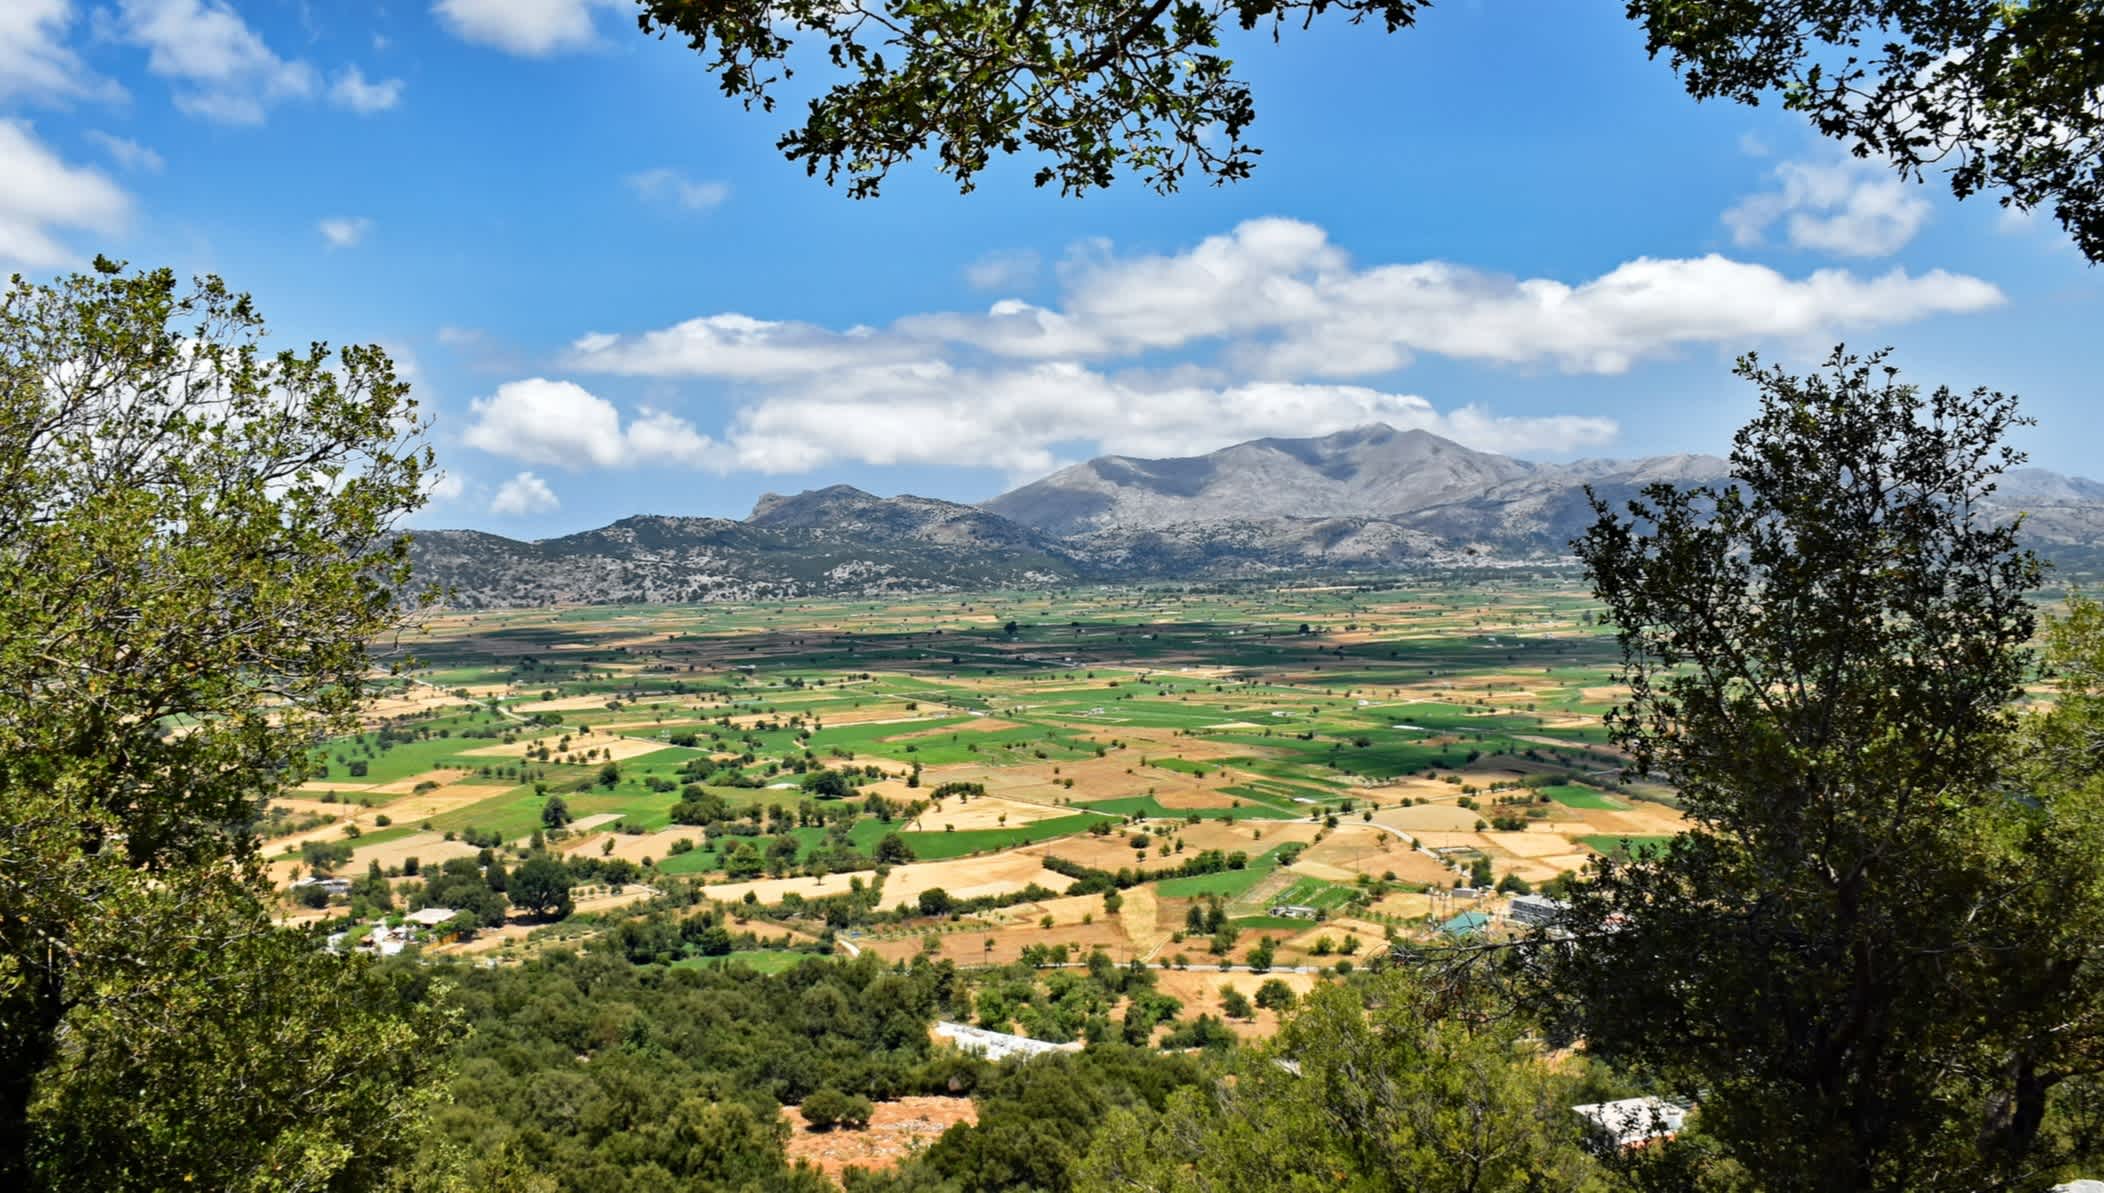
<point x="1574" y="795"/>
<point x="1315" y="892"/>
<point x="1152" y="808"/>
<point x="1228" y="884"/>
<point x="768" y="961"/>
<point x="1616" y="845"/>
<point x="935" y="847"/>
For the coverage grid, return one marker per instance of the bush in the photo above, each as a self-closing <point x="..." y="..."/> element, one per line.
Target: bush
<point x="825" y="1108"/>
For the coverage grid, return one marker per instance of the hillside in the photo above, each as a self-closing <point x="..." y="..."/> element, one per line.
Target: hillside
<point x="810" y="545"/>
<point x="1369" y="499"/>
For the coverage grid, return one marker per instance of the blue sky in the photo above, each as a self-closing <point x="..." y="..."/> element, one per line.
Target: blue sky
<point x="1505" y="225"/>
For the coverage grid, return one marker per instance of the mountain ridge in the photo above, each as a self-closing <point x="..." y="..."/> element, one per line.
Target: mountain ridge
<point x="1370" y="498"/>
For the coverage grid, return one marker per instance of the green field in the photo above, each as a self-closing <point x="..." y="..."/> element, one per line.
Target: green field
<point x="1621" y="846"/>
<point x="1574" y="795"/>
<point x="1219" y="705"/>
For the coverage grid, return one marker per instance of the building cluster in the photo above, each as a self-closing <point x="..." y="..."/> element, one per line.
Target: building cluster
<point x="387" y="940"/>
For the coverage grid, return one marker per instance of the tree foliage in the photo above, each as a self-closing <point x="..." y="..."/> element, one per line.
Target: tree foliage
<point x="541" y="885"/>
<point x="1870" y="957"/>
<point x="2004" y="94"/>
<point x="1374" y="1086"/>
<point x="197" y="533"/>
<point x="685" y="1069"/>
<point x="1096" y="87"/>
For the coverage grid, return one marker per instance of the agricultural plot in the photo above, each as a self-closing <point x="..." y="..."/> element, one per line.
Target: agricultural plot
<point x="1344" y="750"/>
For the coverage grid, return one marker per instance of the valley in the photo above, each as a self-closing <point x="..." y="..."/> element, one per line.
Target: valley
<point x="1218" y="783"/>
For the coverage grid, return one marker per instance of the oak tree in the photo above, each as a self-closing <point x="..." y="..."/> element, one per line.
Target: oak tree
<point x="200" y="539"/>
<point x="1995" y="94"/>
<point x="1870" y="959"/>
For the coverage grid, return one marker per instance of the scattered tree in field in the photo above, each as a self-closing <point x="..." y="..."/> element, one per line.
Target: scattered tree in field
<point x="541" y="885"/>
<point x="1262" y="954"/>
<point x="826" y="1108"/>
<point x="1275" y="995"/>
<point x="555" y="813"/>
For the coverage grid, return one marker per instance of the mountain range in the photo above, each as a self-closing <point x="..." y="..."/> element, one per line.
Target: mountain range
<point x="1368" y="499"/>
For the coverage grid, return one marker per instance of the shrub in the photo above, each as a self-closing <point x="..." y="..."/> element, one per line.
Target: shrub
<point x="825" y="1108"/>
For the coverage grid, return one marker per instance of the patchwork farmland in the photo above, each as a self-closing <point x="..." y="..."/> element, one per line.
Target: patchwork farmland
<point x="1176" y="778"/>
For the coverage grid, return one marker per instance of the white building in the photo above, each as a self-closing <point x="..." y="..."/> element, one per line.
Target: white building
<point x="997" y="1045"/>
<point x="1634" y="1121"/>
<point x="1537" y="910"/>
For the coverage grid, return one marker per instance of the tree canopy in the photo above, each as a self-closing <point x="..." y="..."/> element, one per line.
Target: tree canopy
<point x="197" y="533"/>
<point x="1871" y="958"/>
<point x="2000" y="95"/>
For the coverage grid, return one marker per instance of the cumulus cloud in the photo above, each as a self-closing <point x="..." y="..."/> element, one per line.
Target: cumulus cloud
<point x="665" y="185"/>
<point x="127" y="153"/>
<point x="1845" y="206"/>
<point x="41" y="194"/>
<point x="530" y="28"/>
<point x="344" y="231"/>
<point x="524" y="494"/>
<point x="1275" y="330"/>
<point x="225" y="70"/>
<point x="1015" y="420"/>
<point x="353" y="91"/>
<point x="563" y="425"/>
<point x="1286" y="303"/>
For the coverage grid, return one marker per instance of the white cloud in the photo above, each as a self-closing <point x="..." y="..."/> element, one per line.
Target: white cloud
<point x="41" y="194"/>
<point x="232" y="76"/>
<point x="353" y="91"/>
<point x="1284" y="303"/>
<point x="522" y="495"/>
<point x="1015" y="420"/>
<point x="344" y="231"/>
<point x="665" y="185"/>
<point x="442" y="487"/>
<point x="34" y="58"/>
<point x="1002" y="270"/>
<point x="531" y="28"/>
<point x="1272" y="325"/>
<point x="1854" y="208"/>
<point x="738" y="347"/>
<point x="563" y="425"/>
<point x="127" y="153"/>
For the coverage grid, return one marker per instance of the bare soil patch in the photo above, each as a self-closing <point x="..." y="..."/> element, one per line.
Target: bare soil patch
<point x="1200" y="991"/>
<point x="982" y="812"/>
<point x="894" y="1132"/>
<point x="1530" y="845"/>
<point x="971" y="877"/>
